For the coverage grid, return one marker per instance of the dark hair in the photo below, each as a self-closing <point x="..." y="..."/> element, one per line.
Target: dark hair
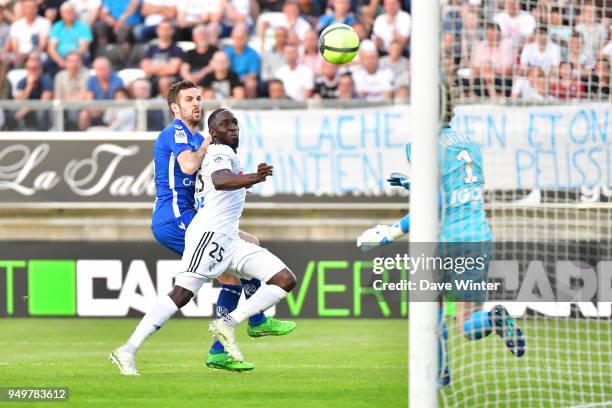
<point x="120" y="89"/>
<point x="347" y="75"/>
<point x="176" y="88"/>
<point x="212" y="116"/>
<point x="275" y="81"/>
<point x="542" y="29"/>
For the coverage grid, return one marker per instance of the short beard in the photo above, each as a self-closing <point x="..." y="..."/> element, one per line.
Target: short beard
<point x="188" y="118"/>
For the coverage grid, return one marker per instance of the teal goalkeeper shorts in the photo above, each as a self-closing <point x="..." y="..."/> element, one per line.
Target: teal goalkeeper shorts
<point x="466" y="266"/>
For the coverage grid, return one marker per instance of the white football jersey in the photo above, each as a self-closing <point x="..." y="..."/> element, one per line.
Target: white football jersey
<point x="222" y="208"/>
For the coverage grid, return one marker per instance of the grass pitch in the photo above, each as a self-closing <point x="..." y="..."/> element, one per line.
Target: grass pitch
<point x="331" y="363"/>
<point x="324" y="363"/>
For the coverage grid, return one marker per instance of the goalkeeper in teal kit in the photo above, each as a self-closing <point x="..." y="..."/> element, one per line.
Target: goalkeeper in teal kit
<point x="464" y="232"/>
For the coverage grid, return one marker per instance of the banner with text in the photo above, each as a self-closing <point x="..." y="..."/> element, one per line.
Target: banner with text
<point x="327" y="152"/>
<point x="334" y="279"/>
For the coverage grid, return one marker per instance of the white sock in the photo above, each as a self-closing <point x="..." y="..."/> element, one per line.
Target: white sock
<point x="265" y="297"/>
<point x="152" y="321"/>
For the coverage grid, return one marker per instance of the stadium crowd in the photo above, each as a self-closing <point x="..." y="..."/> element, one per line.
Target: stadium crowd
<point x="238" y="49"/>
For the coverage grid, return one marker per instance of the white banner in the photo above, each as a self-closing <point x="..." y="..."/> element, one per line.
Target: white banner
<point x="322" y="152"/>
<point x="543" y="147"/>
<point x="327" y="151"/>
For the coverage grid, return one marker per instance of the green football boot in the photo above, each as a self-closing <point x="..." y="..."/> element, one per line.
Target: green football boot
<point x="271" y="327"/>
<point x="223" y="361"/>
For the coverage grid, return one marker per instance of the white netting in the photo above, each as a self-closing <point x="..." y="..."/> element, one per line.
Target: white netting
<point x="532" y="82"/>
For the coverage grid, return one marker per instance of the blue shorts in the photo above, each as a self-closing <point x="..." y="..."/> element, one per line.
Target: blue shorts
<point x="172" y="233"/>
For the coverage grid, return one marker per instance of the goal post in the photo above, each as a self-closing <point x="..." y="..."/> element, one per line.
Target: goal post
<point x="424" y="45"/>
<point x="542" y="123"/>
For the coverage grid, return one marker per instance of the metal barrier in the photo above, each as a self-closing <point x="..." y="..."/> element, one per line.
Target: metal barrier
<point x="58" y="107"/>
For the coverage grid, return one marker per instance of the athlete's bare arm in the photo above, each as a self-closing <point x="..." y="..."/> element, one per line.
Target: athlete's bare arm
<point x="190" y="161"/>
<point x="226" y="180"/>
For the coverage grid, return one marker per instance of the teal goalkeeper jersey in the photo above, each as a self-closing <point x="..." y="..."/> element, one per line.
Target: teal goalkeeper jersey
<point x="463" y="217"/>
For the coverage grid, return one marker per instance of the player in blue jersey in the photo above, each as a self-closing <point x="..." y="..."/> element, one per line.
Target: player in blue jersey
<point x="464" y="232"/>
<point x="178" y="154"/>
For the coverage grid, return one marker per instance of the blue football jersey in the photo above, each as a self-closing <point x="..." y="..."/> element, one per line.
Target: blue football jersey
<point x="463" y="217"/>
<point x="174" y="189"/>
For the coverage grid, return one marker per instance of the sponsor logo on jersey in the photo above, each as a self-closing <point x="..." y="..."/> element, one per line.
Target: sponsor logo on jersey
<point x="218" y="159"/>
<point x="465" y="195"/>
<point x="180" y="136"/>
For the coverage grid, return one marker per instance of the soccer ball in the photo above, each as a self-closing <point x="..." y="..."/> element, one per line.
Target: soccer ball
<point x="338" y="44"/>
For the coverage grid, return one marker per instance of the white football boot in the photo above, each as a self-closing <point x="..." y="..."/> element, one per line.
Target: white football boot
<point x="125" y="361"/>
<point x="226" y="335"/>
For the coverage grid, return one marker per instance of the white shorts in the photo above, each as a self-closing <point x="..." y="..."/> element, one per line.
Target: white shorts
<point x="213" y="253"/>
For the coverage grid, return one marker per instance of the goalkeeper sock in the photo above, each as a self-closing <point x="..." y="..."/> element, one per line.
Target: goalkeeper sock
<point x="478" y="325"/>
<point x="250" y="287"/>
<point x="444" y="377"/>
<point x="226" y="303"/>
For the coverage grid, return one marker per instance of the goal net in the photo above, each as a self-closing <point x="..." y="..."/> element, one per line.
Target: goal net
<point x="532" y="86"/>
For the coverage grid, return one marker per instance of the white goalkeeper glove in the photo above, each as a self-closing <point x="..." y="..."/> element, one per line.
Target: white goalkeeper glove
<point x="378" y="236"/>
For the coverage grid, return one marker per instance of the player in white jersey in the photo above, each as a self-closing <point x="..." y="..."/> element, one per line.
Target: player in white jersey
<point x="213" y="246"/>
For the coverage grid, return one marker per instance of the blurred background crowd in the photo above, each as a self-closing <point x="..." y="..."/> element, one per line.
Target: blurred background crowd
<point x="532" y="50"/>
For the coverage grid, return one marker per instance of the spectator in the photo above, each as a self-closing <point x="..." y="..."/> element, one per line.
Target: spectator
<point x="222" y="82"/>
<point x="196" y="62"/>
<point x="49" y="9"/>
<point x="579" y="59"/>
<point x="154" y="12"/>
<point x="296" y="25"/>
<point x="35" y="86"/>
<point x="600" y="80"/>
<point x="346" y="87"/>
<point x="361" y="31"/>
<point x="293" y="21"/>
<point x="141" y="89"/>
<point x="567" y="85"/>
<point x="118" y="119"/>
<point x="515" y="23"/>
<point x="29" y="33"/>
<point x="68" y="35"/>
<point x="244" y="60"/>
<point x="162" y="61"/>
<point x="309" y="53"/>
<point x="100" y="86"/>
<point x="235" y="12"/>
<point x="117" y="18"/>
<point x="593" y="32"/>
<point x="273" y="59"/>
<point x="196" y="12"/>
<point x="395" y="61"/>
<point x="402" y="94"/>
<point x="399" y="66"/>
<point x="367" y="13"/>
<point x="326" y="85"/>
<point x="341" y="14"/>
<point x="393" y="24"/>
<point x="87" y="10"/>
<point x="559" y="32"/>
<point x="532" y="88"/>
<point x="276" y="89"/>
<point x="70" y="84"/>
<point x="297" y="79"/>
<point x="372" y="83"/>
<point x="495" y="51"/>
<point x="470" y="35"/>
<point x="541" y="53"/>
